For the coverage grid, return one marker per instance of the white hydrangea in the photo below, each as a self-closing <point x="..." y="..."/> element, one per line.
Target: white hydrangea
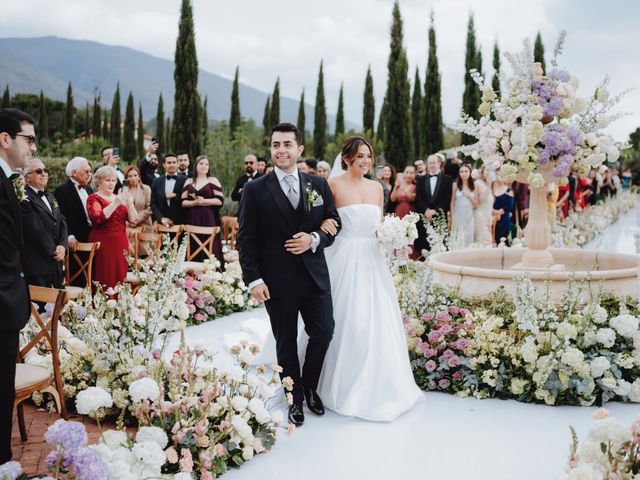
<point x="572" y="357"/>
<point x="567" y="330"/>
<point x="600" y="315"/>
<point x="606" y="336"/>
<point x="599" y="365"/>
<point x="114" y="438"/>
<point x="529" y="350"/>
<point x="152" y="434"/>
<point x="623" y="388"/>
<point x="626" y="325"/>
<point x="144" y="389"/>
<point x="634" y="392"/>
<point x="92" y="400"/>
<point x="149" y="459"/>
<point x="589" y="338"/>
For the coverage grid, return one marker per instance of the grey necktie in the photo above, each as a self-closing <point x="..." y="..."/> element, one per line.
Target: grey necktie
<point x="292" y="194"/>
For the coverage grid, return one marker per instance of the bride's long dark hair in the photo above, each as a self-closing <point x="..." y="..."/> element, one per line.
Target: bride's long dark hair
<point x="350" y="149"/>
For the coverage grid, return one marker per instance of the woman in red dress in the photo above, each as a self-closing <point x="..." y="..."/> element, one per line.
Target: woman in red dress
<point x="404" y="191"/>
<point x="108" y="214"/>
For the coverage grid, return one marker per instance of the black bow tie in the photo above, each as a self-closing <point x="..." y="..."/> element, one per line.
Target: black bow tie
<point x="172" y="177"/>
<point x="433" y="175"/>
<point x="40" y="193"/>
<point x="81" y="187"/>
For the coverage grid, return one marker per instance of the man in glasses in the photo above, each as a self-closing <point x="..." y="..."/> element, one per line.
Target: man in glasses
<point x="251" y="173"/>
<point x="45" y="230"/>
<point x="17" y="145"/>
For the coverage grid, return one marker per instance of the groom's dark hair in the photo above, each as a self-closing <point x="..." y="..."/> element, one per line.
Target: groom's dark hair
<point x="11" y="120"/>
<point x="288" y="127"/>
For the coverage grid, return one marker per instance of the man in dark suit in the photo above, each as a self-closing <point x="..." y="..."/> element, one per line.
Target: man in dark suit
<point x="183" y="164"/>
<point x="282" y="258"/>
<point x="17" y="145"/>
<point x="251" y="173"/>
<point x="433" y="197"/>
<point x="45" y="230"/>
<point x="149" y="164"/>
<point x="166" y="193"/>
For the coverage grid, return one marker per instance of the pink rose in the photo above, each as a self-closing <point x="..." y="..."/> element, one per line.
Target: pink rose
<point x="448" y="353"/>
<point x="434" y="336"/>
<point x="199" y="302"/>
<point x="430" y="366"/>
<point x="427" y="316"/>
<point x="199" y="317"/>
<point x="454" y="310"/>
<point x="405" y="319"/>
<point x="411" y="332"/>
<point x="462" y="344"/>
<point x="454" y="361"/>
<point x="188" y="282"/>
<point x="171" y="454"/>
<point x="444" y="384"/>
<point x="218" y="450"/>
<point x="457" y="375"/>
<point x="191" y="308"/>
<point x="464" y="312"/>
<point x="443" y="317"/>
<point x="445" y="329"/>
<point x="186" y="462"/>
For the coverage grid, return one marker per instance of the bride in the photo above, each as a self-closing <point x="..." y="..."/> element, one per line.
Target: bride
<point x="366" y="371"/>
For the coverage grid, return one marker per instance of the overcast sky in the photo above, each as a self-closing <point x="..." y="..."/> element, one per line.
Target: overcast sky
<point x="288" y="38"/>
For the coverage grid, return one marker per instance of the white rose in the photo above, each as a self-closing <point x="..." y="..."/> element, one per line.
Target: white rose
<point x="599" y="365"/>
<point x="247" y="453"/>
<point x="606" y="336"/>
<point x="626" y="325"/>
<point x="239" y="403"/>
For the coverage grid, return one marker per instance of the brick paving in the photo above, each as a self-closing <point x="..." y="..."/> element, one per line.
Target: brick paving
<point x="33" y="453"/>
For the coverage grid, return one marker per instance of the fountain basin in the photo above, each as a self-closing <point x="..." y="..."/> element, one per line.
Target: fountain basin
<point x="480" y="272"/>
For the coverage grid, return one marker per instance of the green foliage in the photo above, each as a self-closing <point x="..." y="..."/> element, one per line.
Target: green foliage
<point x="115" y="129"/>
<point x="416" y="114"/>
<point x="96" y="124"/>
<point x="274" y="112"/>
<point x="302" y="118"/>
<point x="340" y="114"/>
<point x="631" y="156"/>
<point x="320" y="119"/>
<point x="129" y="151"/>
<point x="68" y="131"/>
<point x="43" y="118"/>
<point x="538" y="52"/>
<point x="187" y="129"/>
<point x="266" y="121"/>
<point x="398" y="142"/>
<point x="168" y="133"/>
<point x="369" y="108"/>
<point x="471" y="95"/>
<point x="235" y="118"/>
<point x="6" y="98"/>
<point x="140" y="136"/>
<point x="205" y="122"/>
<point x="381" y="133"/>
<point x="495" y="82"/>
<point x="106" y="133"/>
<point x="160" y="124"/>
<point x="432" y="134"/>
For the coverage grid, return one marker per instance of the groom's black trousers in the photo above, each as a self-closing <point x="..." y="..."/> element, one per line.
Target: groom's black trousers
<point x="316" y="309"/>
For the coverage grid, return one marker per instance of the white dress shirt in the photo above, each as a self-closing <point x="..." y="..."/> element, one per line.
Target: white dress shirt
<point x="43" y="197"/>
<point x="82" y="193"/>
<point x="169" y="185"/>
<point x="5" y="167"/>
<point x="433" y="181"/>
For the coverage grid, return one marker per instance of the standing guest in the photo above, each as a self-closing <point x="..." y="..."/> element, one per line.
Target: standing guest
<point x="596" y="183"/>
<point x="109" y="214"/>
<point x="584" y="192"/>
<point x="626" y="178"/>
<point x="607" y="188"/>
<point x="302" y="167"/>
<point x="149" y="164"/>
<point x="166" y="193"/>
<point x="420" y="168"/>
<point x="261" y="165"/>
<point x="553" y="193"/>
<point x="615" y="178"/>
<point x="464" y="202"/>
<point x="404" y="192"/>
<point x="312" y="164"/>
<point x="72" y="198"/>
<point x="45" y="230"/>
<point x="520" y="214"/>
<point x="250" y="173"/>
<point x="452" y="165"/>
<point x="17" y="145"/>
<point x="111" y="157"/>
<point x="323" y="169"/>
<point x="183" y="164"/>
<point x="269" y="168"/>
<point x="433" y="198"/>
<point x="388" y="181"/>
<point x="483" y="214"/>
<point x="141" y="195"/>
<point x="202" y="197"/>
<point x="502" y="206"/>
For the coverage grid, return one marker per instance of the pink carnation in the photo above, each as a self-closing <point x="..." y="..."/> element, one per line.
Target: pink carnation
<point x="448" y="353"/>
<point x="443" y="317"/>
<point x="199" y="302"/>
<point x="444" y="383"/>
<point x="427" y="316"/>
<point x="430" y="366"/>
<point x="462" y="344"/>
<point x="171" y="454"/>
<point x="434" y="336"/>
<point x="457" y="375"/>
<point x="454" y="361"/>
<point x="428" y="351"/>
<point x="445" y="329"/>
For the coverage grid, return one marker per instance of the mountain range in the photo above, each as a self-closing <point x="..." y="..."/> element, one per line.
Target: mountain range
<point x="29" y="65"/>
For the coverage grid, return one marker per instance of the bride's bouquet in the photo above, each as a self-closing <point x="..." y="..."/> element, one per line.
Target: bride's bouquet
<point x="395" y="236"/>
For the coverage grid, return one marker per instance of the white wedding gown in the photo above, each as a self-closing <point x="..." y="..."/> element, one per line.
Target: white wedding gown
<point x="463" y="218"/>
<point x="366" y="371"/>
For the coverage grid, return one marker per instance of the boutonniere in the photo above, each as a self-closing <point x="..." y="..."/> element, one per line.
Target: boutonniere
<point x="18" y="186"/>
<point x="312" y="196"/>
<point x="54" y="203"/>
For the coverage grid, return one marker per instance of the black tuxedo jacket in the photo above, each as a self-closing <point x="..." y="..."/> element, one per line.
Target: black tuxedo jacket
<point x="159" y="205"/>
<point x="44" y="230"/>
<point x="147" y="172"/>
<point x="267" y="221"/>
<point x="73" y="210"/>
<point x="236" y="194"/>
<point x="440" y="199"/>
<point x="15" y="304"/>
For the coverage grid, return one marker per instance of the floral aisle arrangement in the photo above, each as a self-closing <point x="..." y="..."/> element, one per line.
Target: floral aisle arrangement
<point x="395" y="236"/>
<point x="524" y="348"/>
<point x="610" y="451"/>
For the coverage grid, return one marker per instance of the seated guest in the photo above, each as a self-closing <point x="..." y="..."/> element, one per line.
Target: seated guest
<point x="202" y="198"/>
<point x="111" y="157"/>
<point x="141" y="194"/>
<point x="45" y="230"/>
<point x="404" y="192"/>
<point x="250" y="173"/>
<point x="166" y="192"/>
<point x="323" y="169"/>
<point x="149" y="164"/>
<point x="109" y="214"/>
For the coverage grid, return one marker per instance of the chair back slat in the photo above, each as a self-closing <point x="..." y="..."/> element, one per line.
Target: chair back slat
<point x="195" y="243"/>
<point x="85" y="267"/>
<point x="174" y="232"/>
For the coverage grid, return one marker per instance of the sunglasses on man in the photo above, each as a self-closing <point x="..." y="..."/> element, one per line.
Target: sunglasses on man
<point x="39" y="171"/>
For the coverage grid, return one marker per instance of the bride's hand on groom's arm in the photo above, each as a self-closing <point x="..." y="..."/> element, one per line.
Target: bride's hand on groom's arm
<point x="329" y="226"/>
<point x="299" y="243"/>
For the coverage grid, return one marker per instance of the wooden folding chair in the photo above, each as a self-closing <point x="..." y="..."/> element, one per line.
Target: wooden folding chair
<point x="33" y="378"/>
<point x="85" y="267"/>
<point x="147" y="245"/>
<point x="230" y="227"/>
<point x="174" y="232"/>
<point x="196" y="245"/>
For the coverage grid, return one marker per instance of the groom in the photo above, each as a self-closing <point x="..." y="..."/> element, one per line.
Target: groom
<point x="281" y="251"/>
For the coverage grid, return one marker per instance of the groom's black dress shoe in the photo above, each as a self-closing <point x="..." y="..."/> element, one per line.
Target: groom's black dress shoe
<point x="313" y="401"/>
<point x="296" y="415"/>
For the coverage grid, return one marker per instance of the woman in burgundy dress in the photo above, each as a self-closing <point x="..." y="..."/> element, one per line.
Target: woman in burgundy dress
<point x="109" y="214"/>
<point x="404" y="192"/>
<point x="202" y="196"/>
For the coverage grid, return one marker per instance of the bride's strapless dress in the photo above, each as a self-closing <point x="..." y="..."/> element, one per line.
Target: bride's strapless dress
<point x="366" y="371"/>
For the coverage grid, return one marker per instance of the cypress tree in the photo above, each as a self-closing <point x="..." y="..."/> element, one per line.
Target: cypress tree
<point x="87" y="122"/>
<point x="205" y="122"/>
<point x="140" y="136"/>
<point x="432" y="136"/>
<point x="416" y="114"/>
<point x="129" y="151"/>
<point x="266" y="120"/>
<point x="538" y="52"/>
<point x="369" y="109"/>
<point x="471" y="96"/>
<point x="187" y="117"/>
<point x="340" y="114"/>
<point x="301" y="118"/>
<point x="160" y="131"/>
<point x="495" y="82"/>
<point x="398" y="144"/>
<point x="106" y="133"/>
<point x="115" y="127"/>
<point x="479" y="61"/>
<point x="68" y="129"/>
<point x="382" y="134"/>
<point x="320" y="119"/>
<point x="235" y="118"/>
<point x="97" y="118"/>
<point x="168" y="134"/>
<point x="43" y="117"/>
<point x="274" y="113"/>
<point x="6" y="97"/>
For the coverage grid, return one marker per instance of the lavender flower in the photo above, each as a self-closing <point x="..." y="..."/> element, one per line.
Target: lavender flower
<point x="87" y="464"/>
<point x="69" y="435"/>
